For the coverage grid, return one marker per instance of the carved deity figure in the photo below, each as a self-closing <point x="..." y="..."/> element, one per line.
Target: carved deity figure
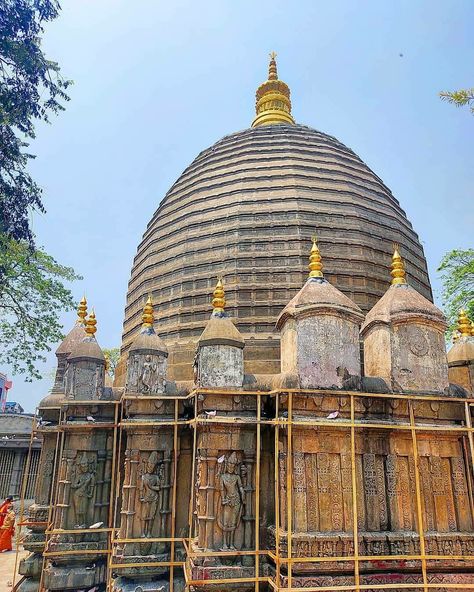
<point x="232" y="501"/>
<point x="83" y="486"/>
<point x="151" y="484"/>
<point x="147" y="377"/>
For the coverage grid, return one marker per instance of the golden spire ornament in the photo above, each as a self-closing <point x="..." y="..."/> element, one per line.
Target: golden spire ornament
<point x="398" y="269"/>
<point x="464" y="324"/>
<point x="273" y="103"/>
<point x="218" y="297"/>
<point x="315" y="262"/>
<point x="147" y="316"/>
<point x="91" y="324"/>
<point x="82" y="311"/>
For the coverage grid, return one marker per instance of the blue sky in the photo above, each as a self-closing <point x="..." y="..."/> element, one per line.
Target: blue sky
<point x="157" y="82"/>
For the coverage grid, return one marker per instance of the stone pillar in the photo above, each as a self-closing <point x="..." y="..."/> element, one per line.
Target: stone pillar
<point x="150" y="474"/>
<point x="84" y="476"/>
<point x="49" y="412"/>
<point x="17" y="472"/>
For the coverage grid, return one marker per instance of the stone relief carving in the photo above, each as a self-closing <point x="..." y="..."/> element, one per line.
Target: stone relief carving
<point x="417" y="341"/>
<point x="84" y="380"/>
<point x="232" y="500"/>
<point x="151" y="489"/>
<point x="83" y="489"/>
<point x="146" y="373"/>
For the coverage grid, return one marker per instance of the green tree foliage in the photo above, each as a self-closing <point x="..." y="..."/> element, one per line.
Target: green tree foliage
<point x="31" y="296"/>
<point x="457" y="274"/>
<point x="31" y="88"/>
<point x="112" y="355"/>
<point x="32" y="292"/>
<point x="460" y="98"/>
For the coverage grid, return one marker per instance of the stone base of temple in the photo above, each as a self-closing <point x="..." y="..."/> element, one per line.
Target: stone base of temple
<point x="391" y="578"/>
<point x="28" y="585"/>
<point x="228" y="568"/>
<point x="74" y="577"/>
<point x="122" y="584"/>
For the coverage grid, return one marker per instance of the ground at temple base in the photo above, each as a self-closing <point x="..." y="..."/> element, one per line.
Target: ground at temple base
<point x="7" y="567"/>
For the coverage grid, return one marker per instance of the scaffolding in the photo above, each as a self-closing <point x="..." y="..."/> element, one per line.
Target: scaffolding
<point x="273" y="565"/>
<point x="281" y="423"/>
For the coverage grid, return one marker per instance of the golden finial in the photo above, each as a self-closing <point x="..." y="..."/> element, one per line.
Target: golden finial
<point x="315" y="264"/>
<point x="91" y="324"/>
<point x="464" y="324"/>
<point x="82" y="311"/>
<point x="273" y="103"/>
<point x="272" y="67"/>
<point x="398" y="269"/>
<point x="472" y="328"/>
<point x="147" y="316"/>
<point x="218" y="297"/>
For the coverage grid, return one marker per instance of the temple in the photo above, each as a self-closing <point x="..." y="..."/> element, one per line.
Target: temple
<point x="285" y="415"/>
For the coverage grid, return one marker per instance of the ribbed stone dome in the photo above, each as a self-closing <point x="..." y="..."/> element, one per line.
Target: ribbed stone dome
<point x="246" y="209"/>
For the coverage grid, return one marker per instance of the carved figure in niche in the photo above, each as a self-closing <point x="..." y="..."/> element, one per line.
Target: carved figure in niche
<point x="232" y="501"/>
<point x="83" y="487"/>
<point x="151" y="484"/>
<point x="147" y="377"/>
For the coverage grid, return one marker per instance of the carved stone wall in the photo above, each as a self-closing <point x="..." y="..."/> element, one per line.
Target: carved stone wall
<point x="220" y="366"/>
<point x="410" y="356"/>
<point x="81" y="498"/>
<point x="147" y="492"/>
<point x="84" y="379"/>
<point x="325" y="344"/>
<point x="419" y="354"/>
<point x="225" y="489"/>
<point x="146" y="373"/>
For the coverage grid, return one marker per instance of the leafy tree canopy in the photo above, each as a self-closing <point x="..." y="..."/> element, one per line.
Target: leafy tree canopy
<point x="112" y="355"/>
<point x="31" y="87"/>
<point x="460" y="98"/>
<point x="457" y="273"/>
<point x="32" y="293"/>
<point x="31" y="296"/>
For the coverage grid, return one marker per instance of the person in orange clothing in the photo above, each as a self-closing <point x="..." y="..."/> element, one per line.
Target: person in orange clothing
<point x="6" y="530"/>
<point x="4" y="508"/>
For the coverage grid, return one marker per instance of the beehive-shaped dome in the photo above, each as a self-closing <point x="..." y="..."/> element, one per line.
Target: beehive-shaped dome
<point x="244" y="209"/>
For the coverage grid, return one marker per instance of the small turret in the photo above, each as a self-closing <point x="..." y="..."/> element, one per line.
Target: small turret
<point x="85" y="372"/>
<point x="461" y="354"/>
<point x="220" y="358"/>
<point x="148" y="358"/>
<point x="320" y="332"/>
<point x="75" y="336"/>
<point x="403" y="337"/>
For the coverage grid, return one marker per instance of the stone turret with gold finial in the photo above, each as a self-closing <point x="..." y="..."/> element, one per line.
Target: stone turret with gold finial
<point x="319" y="333"/>
<point x="148" y="358"/>
<point x="85" y="373"/>
<point x="74" y="337"/>
<point x="461" y="354"/>
<point x="219" y="360"/>
<point x="403" y="337"/>
<point x="273" y="105"/>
